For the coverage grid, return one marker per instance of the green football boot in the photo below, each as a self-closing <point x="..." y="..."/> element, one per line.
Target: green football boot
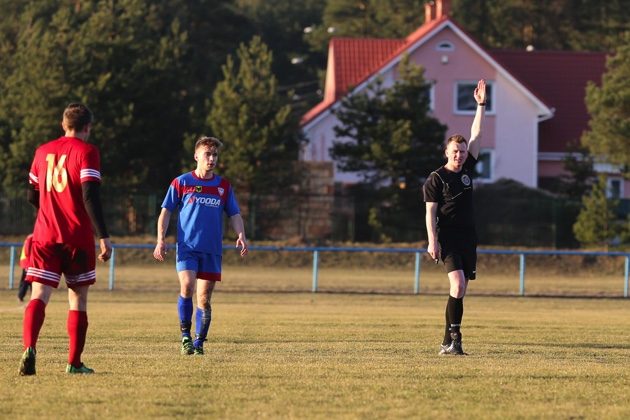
<point x="198" y="345"/>
<point x="83" y="370"/>
<point x="27" y="364"/>
<point x="187" y="346"/>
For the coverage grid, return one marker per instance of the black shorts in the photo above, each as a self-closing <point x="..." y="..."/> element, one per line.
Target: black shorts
<point x="459" y="251"/>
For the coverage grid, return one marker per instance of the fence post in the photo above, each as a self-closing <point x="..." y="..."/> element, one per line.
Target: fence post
<point x="626" y="273"/>
<point x="315" y="270"/>
<point x="416" y="283"/>
<point x="522" y="274"/>
<point x="11" y="266"/>
<point x="112" y="268"/>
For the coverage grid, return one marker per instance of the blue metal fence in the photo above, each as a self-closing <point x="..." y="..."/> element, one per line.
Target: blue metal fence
<point x="317" y="250"/>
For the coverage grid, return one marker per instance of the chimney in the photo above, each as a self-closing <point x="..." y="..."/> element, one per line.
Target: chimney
<point x="436" y="9"/>
<point x="429" y="11"/>
<point x="442" y="8"/>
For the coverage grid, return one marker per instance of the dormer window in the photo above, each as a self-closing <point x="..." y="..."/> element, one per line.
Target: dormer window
<point x="445" y="46"/>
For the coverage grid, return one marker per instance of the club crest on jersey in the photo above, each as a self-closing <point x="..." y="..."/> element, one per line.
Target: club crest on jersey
<point x="197" y="188"/>
<point x="466" y="180"/>
<point x="221" y="191"/>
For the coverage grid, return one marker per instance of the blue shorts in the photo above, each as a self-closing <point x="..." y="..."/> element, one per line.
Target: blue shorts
<point x="207" y="266"/>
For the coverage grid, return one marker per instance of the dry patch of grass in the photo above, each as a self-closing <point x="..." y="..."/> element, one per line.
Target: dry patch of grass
<point x="327" y="355"/>
<point x="248" y="278"/>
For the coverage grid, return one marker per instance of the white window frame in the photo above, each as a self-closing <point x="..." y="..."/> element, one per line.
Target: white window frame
<point x="490" y="154"/>
<point x="609" y="188"/>
<point x="491" y="99"/>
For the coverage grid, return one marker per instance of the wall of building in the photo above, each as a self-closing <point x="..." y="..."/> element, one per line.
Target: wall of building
<point x="510" y="131"/>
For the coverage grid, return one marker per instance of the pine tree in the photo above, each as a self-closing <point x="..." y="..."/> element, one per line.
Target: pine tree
<point x="281" y="25"/>
<point x="609" y="107"/>
<point x="30" y="94"/>
<point x="257" y="126"/>
<point x="144" y="68"/>
<point x="595" y="225"/>
<point x="571" y="25"/>
<point x="387" y="136"/>
<point x="580" y="172"/>
<point x="366" y="18"/>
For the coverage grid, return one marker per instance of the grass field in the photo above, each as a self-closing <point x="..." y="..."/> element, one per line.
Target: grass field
<point x="303" y="355"/>
<point x="162" y="277"/>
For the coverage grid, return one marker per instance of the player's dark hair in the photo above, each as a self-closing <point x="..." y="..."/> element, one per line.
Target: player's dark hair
<point x="208" y="141"/>
<point x="76" y="116"/>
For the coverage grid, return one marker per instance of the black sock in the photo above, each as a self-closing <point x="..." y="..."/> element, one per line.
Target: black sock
<point x="455" y="309"/>
<point x="447" y="329"/>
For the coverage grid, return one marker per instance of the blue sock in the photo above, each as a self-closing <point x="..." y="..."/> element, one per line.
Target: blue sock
<point x="185" y="309"/>
<point x="202" y="324"/>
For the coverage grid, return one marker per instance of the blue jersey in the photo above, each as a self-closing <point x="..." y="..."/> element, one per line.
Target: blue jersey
<point x="201" y="203"/>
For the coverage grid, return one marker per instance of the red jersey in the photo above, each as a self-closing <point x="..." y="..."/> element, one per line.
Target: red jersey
<point x="58" y="170"/>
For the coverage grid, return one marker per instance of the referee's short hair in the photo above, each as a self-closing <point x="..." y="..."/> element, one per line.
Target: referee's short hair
<point x="457" y="138"/>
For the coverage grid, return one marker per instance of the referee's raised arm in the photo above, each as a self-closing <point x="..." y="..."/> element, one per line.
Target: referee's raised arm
<point x="475" y="129"/>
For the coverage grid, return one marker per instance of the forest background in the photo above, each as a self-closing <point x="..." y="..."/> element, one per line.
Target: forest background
<point x="158" y="74"/>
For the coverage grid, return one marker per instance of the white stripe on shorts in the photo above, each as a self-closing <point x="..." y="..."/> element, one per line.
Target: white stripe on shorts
<point x="43" y="274"/>
<point x="81" y="278"/>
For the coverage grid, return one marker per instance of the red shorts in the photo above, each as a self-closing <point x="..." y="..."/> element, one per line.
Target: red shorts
<point x="48" y="261"/>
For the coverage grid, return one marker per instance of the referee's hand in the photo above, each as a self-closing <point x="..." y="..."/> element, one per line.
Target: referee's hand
<point x="434" y="251"/>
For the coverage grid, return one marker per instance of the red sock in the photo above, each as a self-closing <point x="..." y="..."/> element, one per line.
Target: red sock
<point x="33" y="320"/>
<point x="77" y="330"/>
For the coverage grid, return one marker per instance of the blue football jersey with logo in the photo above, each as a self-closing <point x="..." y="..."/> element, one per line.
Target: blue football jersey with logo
<point x="201" y="203"/>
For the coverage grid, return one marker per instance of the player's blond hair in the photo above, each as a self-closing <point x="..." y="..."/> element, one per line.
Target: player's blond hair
<point x="208" y="141"/>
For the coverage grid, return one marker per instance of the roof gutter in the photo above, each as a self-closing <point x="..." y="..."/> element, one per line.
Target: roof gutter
<point x="547" y="116"/>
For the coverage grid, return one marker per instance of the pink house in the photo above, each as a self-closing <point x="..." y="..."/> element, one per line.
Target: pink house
<point x="536" y="99"/>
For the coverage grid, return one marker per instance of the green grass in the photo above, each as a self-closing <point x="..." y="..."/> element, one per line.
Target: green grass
<point x="303" y="355"/>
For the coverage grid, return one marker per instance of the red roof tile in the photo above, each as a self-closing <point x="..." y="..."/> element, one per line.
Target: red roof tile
<point x="357" y="59"/>
<point x="558" y="78"/>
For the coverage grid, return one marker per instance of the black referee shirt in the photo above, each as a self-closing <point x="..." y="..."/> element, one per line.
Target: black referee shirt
<point x="453" y="193"/>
